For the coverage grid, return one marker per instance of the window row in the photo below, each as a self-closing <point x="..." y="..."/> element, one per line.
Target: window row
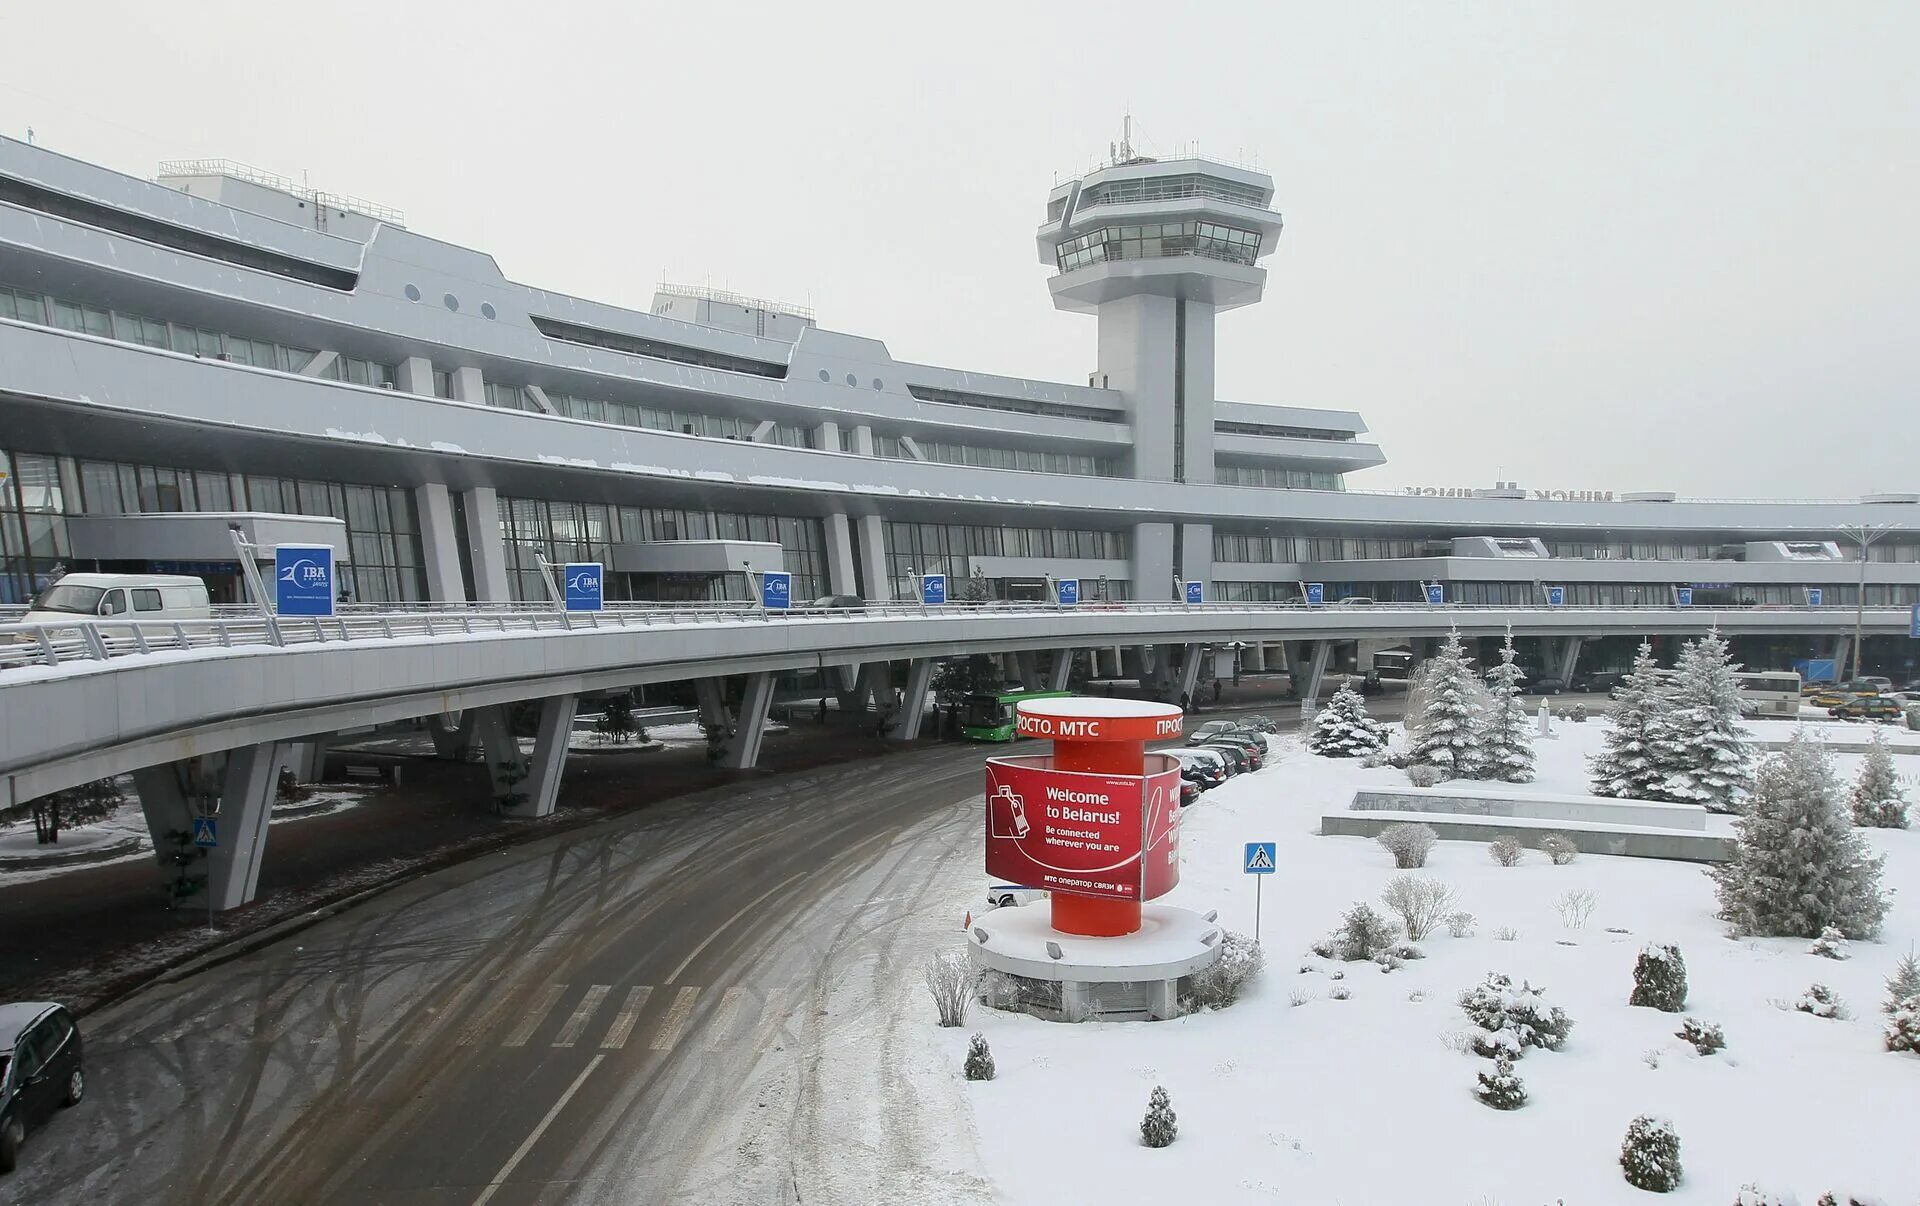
<point x="1003" y="458"/>
<point x="1171" y="188"/>
<point x="1056" y="410"/>
<point x="1286" y="433"/>
<point x="1156" y="240"/>
<point x="1275" y="476"/>
<point x="27" y="306"/>
<point x="633" y="414"/>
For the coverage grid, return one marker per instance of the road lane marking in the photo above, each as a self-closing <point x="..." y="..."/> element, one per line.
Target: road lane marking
<point x="537" y="1013"/>
<point x="773" y="1014"/>
<point x="722" y="1019"/>
<point x="623" y="1021"/>
<point x="728" y="923"/>
<point x="526" y="1145"/>
<point x="589" y="1004"/>
<point x="676" y="1019"/>
<point x="476" y="1029"/>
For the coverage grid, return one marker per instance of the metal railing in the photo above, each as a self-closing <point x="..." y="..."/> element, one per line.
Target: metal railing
<point x="23" y="645"/>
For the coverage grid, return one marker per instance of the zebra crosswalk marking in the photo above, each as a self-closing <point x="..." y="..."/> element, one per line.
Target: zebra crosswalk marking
<point x="589" y="1004"/>
<point x="771" y="1016"/>
<point x="616" y="1036"/>
<point x="722" y="1020"/>
<point x="537" y="1013"/>
<point x="677" y="1015"/>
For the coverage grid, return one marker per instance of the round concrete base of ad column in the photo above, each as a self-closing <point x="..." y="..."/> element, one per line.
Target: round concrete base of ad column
<point x="1067" y="978"/>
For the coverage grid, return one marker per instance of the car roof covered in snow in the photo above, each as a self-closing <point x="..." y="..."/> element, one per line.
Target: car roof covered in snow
<point x="16" y="1017"/>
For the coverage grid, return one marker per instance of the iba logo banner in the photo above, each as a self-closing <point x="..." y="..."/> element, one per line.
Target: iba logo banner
<point x="1114" y="836"/>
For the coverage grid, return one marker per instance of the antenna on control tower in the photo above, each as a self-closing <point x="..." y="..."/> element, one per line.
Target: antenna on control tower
<point x="1126" y="138"/>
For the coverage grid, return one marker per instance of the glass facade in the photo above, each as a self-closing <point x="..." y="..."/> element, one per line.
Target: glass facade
<point x="1025" y="406"/>
<point x="1259" y="547"/>
<point x="1286" y="433"/>
<point x="1275" y="476"/>
<point x="574" y="531"/>
<point x="686" y="422"/>
<point x="945" y="548"/>
<point x="1002" y="458"/>
<point x="1170" y="188"/>
<point x="1158" y="239"/>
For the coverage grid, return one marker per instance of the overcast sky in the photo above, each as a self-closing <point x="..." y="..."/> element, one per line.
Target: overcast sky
<point x="1605" y="246"/>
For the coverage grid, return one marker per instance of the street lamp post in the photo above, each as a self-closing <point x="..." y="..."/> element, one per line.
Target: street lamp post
<point x="1863" y="534"/>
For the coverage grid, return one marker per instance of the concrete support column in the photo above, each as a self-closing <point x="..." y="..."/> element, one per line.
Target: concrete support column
<point x="1189" y="672"/>
<point x="1076" y="1000"/>
<point x="1133" y="663"/>
<point x="1842" y="658"/>
<point x="1026" y="669"/>
<point x="872" y="683"/>
<point x="1253" y="659"/>
<point x="439" y="543"/>
<point x="710" y="702"/>
<point x="1151" y="561"/>
<point x="873" y="560"/>
<point x="1569" y="658"/>
<point x="488" y="546"/>
<point x="913" y="708"/>
<point x="1317" y="669"/>
<point x="742" y="750"/>
<point x="469" y="386"/>
<point x="414" y="375"/>
<point x="453" y="734"/>
<point x="237" y="789"/>
<point x="840" y="574"/>
<point x="534" y="782"/>
<point x="1061" y="671"/>
<point x="308" y="759"/>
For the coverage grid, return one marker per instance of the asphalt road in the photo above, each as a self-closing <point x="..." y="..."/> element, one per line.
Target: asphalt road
<point x="580" y="1019"/>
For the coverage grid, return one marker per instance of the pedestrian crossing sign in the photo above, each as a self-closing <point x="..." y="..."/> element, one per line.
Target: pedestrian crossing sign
<point x="204" y="832"/>
<point x="1259" y="859"/>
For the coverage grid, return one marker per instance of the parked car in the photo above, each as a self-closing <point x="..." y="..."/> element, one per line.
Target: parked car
<point x="841" y="602"/>
<point x="1209" y="730"/>
<point x="1880" y="685"/>
<point x="91" y="598"/>
<point x="41" y="1070"/>
<point x="1189" y="791"/>
<point x="1237" y="757"/>
<point x="1809" y="690"/>
<point x="1830" y="696"/>
<point x="1541" y="685"/>
<point x="1869" y="707"/>
<point x="1007" y="896"/>
<point x="1254" y="750"/>
<point x="1259" y="721"/>
<point x="1208" y="766"/>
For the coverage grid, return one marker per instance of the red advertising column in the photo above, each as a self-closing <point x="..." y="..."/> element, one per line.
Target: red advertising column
<point x="1093" y="824"/>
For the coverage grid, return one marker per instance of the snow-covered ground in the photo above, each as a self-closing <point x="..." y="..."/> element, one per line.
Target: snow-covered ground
<point x="1293" y="1096"/>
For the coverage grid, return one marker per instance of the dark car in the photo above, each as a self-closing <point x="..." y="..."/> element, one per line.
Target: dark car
<point x="1258" y="721"/>
<point x="1208" y="772"/>
<point x="1248" y="742"/>
<point x="1868" y="707"/>
<point x="1239" y="755"/>
<point x="1236" y="756"/>
<point x="40" y="1071"/>
<point x="841" y="603"/>
<point x="1189" y="791"/>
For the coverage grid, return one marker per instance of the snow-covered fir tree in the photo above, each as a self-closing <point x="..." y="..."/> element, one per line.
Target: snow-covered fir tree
<point x="1878" y="799"/>
<point x="1697" y="738"/>
<point x="1343" y="729"/>
<point x="1797" y="865"/>
<point x="1507" y="737"/>
<point x="1626" y="767"/>
<point x="1445" y="731"/>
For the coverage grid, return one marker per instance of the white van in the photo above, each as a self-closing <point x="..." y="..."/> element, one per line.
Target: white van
<point x="95" y="597"/>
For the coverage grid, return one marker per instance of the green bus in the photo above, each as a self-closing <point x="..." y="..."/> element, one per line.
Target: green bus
<point x="989" y="717"/>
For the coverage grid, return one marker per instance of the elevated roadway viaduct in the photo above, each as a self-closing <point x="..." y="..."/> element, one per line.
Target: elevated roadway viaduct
<point x="204" y="713"/>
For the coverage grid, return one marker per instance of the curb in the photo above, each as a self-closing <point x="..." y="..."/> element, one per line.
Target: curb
<point x="98" y="854"/>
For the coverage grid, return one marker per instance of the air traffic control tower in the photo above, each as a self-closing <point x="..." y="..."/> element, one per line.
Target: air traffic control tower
<point x="1155" y="249"/>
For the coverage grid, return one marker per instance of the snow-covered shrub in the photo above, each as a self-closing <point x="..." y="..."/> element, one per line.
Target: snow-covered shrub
<point x="1408" y="843"/>
<point x="1879" y="801"/>
<point x="1218" y="985"/>
<point x="1389" y="962"/>
<point x="1339" y="992"/>
<point x="1422" y="775"/>
<point x="1159" y="1127"/>
<point x="1418" y="902"/>
<point x="1797" y="865"/>
<point x="1660" y="979"/>
<point x="289" y="789"/>
<point x="1627" y="767"/>
<point x="1903" y="1026"/>
<point x="1575" y="905"/>
<point x="1650" y="1157"/>
<point x="1506" y="850"/>
<point x="1326" y="948"/>
<point x="1443" y="714"/>
<point x="1373" y="760"/>
<point x="1460" y="925"/>
<point x="1505" y="933"/>
<point x="951" y="981"/>
<point x="1577" y="713"/>
<point x="1506" y="750"/>
<point x="1831" y="944"/>
<point x="1903" y="983"/>
<point x="1301" y="996"/>
<point x="1406" y="952"/>
<point x="1502" y="1089"/>
<point x="979" y="1064"/>
<point x="1705" y="1037"/>
<point x="1821" y="1002"/>
<point x="1514" y="1018"/>
<point x="1558" y="847"/>
<point x="1697" y="738"/>
<point x="1362" y="934"/>
<point x="1830" y="1198"/>
<point x="1343" y="729"/>
<point x="1753" y="1195"/>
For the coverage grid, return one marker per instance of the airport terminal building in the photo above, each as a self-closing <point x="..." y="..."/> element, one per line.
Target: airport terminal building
<point x="221" y="342"/>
